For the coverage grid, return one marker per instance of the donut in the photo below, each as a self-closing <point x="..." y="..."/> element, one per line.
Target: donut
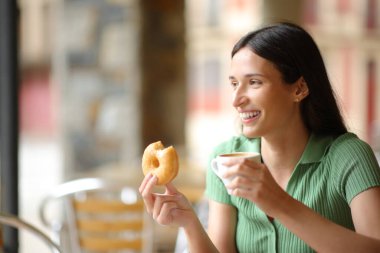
<point x="160" y="161"/>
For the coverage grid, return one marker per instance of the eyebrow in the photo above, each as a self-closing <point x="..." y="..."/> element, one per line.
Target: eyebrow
<point x="248" y="75"/>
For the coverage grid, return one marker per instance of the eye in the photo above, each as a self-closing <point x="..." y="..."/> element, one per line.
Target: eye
<point x="234" y="84"/>
<point x="255" y="82"/>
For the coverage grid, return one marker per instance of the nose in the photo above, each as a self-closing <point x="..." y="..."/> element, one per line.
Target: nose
<point x="238" y="97"/>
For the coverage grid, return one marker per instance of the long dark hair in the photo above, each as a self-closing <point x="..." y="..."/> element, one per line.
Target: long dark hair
<point x="295" y="54"/>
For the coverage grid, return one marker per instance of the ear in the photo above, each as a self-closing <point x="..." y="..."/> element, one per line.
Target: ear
<point x="301" y="89"/>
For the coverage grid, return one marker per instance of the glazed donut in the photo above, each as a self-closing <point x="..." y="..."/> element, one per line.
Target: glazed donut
<point x="160" y="161"/>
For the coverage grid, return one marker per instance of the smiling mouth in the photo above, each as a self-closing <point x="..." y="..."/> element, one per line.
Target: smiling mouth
<point x="249" y="115"/>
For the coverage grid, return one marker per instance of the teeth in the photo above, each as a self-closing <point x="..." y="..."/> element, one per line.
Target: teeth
<point x="248" y="115"/>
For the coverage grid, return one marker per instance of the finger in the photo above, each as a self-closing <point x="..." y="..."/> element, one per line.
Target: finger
<point x="242" y="170"/>
<point x="170" y="189"/>
<point x="241" y="183"/>
<point x="156" y="209"/>
<point x="147" y="189"/>
<point x="159" y="201"/>
<point x="145" y="181"/>
<point x="247" y="167"/>
<point x="149" y="203"/>
<point x="166" y="213"/>
<point x="147" y="195"/>
<point x="242" y="193"/>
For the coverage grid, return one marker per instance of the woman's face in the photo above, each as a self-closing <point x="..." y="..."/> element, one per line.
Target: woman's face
<point x="266" y="105"/>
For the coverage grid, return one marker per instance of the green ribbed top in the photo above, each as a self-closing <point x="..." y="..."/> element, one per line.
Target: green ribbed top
<point x="330" y="173"/>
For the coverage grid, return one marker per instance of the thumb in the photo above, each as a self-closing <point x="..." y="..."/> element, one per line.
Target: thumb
<point x="170" y="189"/>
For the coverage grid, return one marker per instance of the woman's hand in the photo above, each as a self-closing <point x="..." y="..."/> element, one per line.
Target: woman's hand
<point x="253" y="181"/>
<point x="172" y="208"/>
<point x="169" y="208"/>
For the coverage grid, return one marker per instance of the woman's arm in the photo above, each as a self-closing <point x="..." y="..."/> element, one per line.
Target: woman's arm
<point x="365" y="210"/>
<point x="222" y="226"/>
<point x="172" y="208"/>
<point x="197" y="238"/>
<point x="326" y="236"/>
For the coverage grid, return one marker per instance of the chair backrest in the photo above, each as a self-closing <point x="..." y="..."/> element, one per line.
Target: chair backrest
<point x="21" y="225"/>
<point x="102" y="216"/>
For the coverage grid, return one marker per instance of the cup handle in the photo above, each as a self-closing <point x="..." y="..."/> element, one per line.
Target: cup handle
<point x="214" y="166"/>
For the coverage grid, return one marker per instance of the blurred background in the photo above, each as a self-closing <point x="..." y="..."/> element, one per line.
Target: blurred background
<point x="98" y="80"/>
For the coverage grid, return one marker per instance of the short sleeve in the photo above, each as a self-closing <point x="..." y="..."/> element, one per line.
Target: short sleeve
<point x="215" y="188"/>
<point x="355" y="166"/>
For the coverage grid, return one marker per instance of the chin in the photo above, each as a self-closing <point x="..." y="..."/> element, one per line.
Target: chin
<point x="250" y="133"/>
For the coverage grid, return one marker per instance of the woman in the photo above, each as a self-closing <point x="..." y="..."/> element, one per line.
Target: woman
<point x="318" y="186"/>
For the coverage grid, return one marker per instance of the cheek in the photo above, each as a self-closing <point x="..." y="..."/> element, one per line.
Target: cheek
<point x="266" y="99"/>
<point x="277" y="105"/>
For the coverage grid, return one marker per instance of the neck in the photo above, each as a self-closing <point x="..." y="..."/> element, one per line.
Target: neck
<point x="281" y="153"/>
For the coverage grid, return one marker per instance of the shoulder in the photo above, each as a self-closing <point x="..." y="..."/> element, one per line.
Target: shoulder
<point x="353" y="164"/>
<point x="348" y="151"/>
<point x="349" y="147"/>
<point x="348" y="138"/>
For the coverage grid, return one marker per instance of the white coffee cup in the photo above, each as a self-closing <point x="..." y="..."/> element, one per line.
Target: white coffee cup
<point x="219" y="169"/>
